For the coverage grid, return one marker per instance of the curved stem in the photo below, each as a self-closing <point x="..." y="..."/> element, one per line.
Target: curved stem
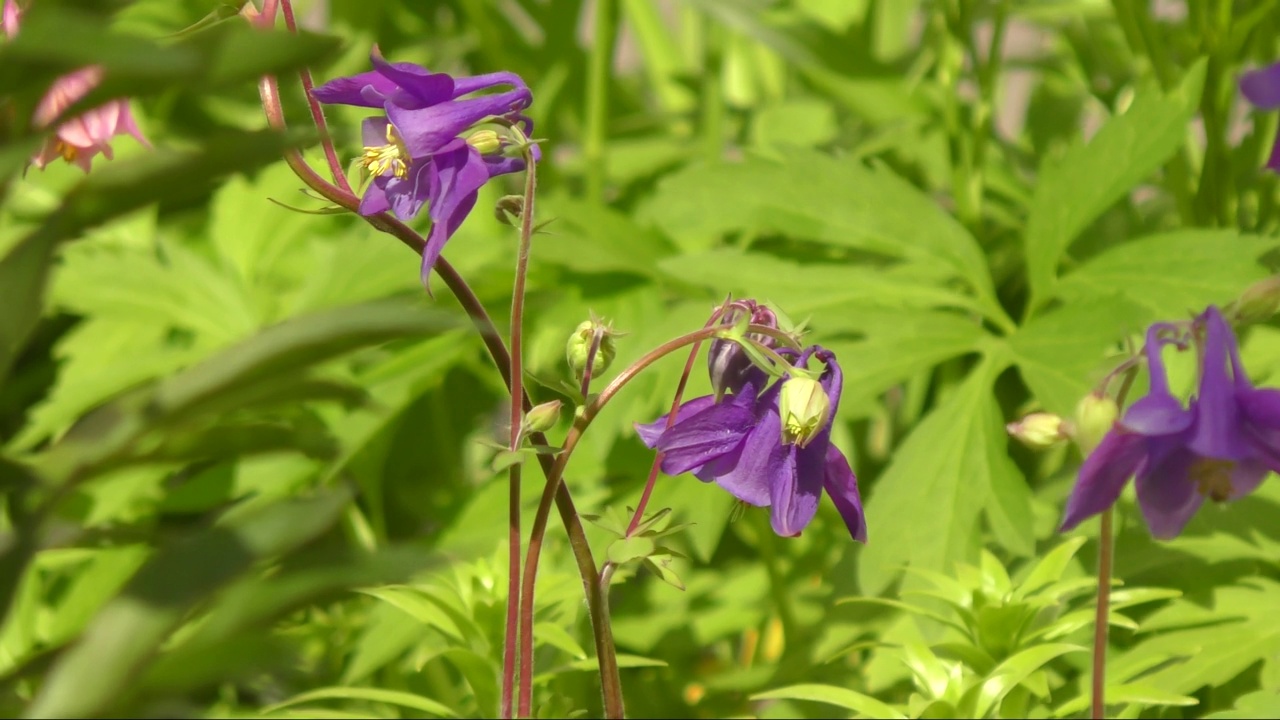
<point x="317" y="113"/>
<point x="516" y="609"/>
<point x="269" y="91"/>
<point x="604" y="641"/>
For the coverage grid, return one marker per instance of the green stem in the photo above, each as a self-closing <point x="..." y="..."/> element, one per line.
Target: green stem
<point x="1101" y="619"/>
<point x="598" y="83"/>
<point x="514" y="607"/>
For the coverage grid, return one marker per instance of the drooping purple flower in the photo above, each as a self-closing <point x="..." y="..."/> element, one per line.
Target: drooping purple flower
<point x="415" y="152"/>
<point x="727" y="362"/>
<point x="1220" y="447"/>
<point x="767" y="449"/>
<point x="1262" y="88"/>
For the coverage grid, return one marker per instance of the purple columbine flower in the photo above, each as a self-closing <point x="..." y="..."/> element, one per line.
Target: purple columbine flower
<point x="769" y="449"/>
<point x="415" y="153"/>
<point x="1262" y="88"/>
<point x="1220" y="447"/>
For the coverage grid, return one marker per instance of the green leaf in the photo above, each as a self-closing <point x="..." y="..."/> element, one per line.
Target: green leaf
<point x="810" y="287"/>
<point x="1062" y="354"/>
<point x="939" y="479"/>
<point x="987" y="692"/>
<point x="1260" y="704"/>
<point x="1076" y="189"/>
<point x="626" y="550"/>
<point x="111" y="191"/>
<point x="1136" y="693"/>
<point x="897" y="345"/>
<point x="840" y="697"/>
<point x="91" y="678"/>
<point x="836" y="202"/>
<point x="1049" y="569"/>
<point x="1172" y="274"/>
<point x="363" y="694"/>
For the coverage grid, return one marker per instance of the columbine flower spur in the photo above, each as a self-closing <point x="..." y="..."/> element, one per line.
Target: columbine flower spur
<point x="1262" y="88"/>
<point x="415" y="153"/>
<point x="1219" y="447"/>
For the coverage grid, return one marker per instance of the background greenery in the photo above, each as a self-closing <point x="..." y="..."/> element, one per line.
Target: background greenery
<point x="243" y="460"/>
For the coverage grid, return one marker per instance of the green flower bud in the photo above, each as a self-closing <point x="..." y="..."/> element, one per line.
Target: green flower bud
<point x="805" y="410"/>
<point x="508" y="209"/>
<point x="1095" y="415"/>
<point x="488" y="142"/>
<point x="1038" y="431"/>
<point x="591" y="333"/>
<point x="542" y="417"/>
<point x="1257" y="303"/>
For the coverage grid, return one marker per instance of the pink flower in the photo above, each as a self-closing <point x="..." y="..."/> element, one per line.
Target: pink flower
<point x="79" y="139"/>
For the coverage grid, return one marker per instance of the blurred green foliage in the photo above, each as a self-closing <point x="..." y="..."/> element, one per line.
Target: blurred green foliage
<point x="246" y="463"/>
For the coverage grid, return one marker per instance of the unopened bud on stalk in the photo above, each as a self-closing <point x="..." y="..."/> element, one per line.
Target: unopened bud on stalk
<point x="1257" y="303"/>
<point x="1038" y="431"/>
<point x="591" y="333"/>
<point x="1095" y="415"/>
<point x="543" y="417"/>
<point x="727" y="362"/>
<point x="508" y="209"/>
<point x="805" y="410"/>
<point x="488" y="142"/>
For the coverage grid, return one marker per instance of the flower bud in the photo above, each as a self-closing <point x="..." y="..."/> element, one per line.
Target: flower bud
<point x="487" y="142"/>
<point x="1095" y="415"/>
<point x="728" y="364"/>
<point x="508" y="209"/>
<point x="805" y="410"/>
<point x="1038" y="431"/>
<point x="591" y="333"/>
<point x="543" y="417"/>
<point x="1258" y="302"/>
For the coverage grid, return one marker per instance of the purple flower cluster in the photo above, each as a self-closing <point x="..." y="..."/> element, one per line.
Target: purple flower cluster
<point x="415" y="153"/>
<point x="1220" y="446"/>
<point x="768" y="445"/>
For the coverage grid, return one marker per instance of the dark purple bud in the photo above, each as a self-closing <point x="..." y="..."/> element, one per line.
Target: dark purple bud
<point x="729" y="365"/>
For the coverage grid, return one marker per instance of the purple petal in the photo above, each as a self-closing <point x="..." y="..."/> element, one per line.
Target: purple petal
<point x="1103" y="475"/>
<point x="1262" y="86"/>
<point x="704" y="436"/>
<point x="457" y="175"/>
<point x="748" y="474"/>
<point x="467" y="85"/>
<point x="408" y="194"/>
<point x="419" y="87"/>
<point x="352" y="90"/>
<point x="425" y="131"/>
<point x="794" y="490"/>
<point x="842" y="485"/>
<point x="1167" y="495"/>
<point x="650" y="432"/>
<point x="1246" y="477"/>
<point x="1261" y="407"/>
<point x="373" y="131"/>
<point x="375" y="199"/>
<point x="500" y="165"/>
<point x="1218" y="432"/>
<point x="1156" y="414"/>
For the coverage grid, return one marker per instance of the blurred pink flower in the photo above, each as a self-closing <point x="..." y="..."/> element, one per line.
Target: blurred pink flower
<point x="82" y="137"/>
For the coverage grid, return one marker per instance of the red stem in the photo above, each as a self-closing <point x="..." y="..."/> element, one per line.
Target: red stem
<point x="317" y="113"/>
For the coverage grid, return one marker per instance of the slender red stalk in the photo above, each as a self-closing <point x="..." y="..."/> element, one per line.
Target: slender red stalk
<point x="317" y="113"/>
<point x="1101" y="620"/>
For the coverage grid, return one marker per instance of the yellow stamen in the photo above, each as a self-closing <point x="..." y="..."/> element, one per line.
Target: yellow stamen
<point x="390" y="157"/>
<point x="1213" y="478"/>
<point x="68" y="152"/>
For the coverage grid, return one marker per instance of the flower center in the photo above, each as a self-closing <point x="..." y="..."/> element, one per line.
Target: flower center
<point x="392" y="157"/>
<point x="68" y="152"/>
<point x="1213" y="478"/>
